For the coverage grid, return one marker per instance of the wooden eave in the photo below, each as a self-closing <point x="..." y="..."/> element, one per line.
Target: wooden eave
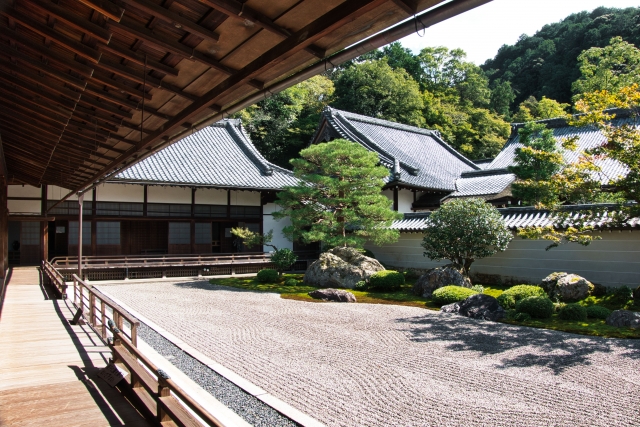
<point x="88" y="87"/>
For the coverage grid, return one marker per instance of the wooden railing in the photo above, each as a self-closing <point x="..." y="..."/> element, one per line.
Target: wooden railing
<point x="160" y="260"/>
<point x="97" y="309"/>
<point x="155" y="390"/>
<point x="55" y="278"/>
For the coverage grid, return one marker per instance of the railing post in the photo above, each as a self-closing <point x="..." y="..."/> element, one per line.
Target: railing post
<point x="103" y="320"/>
<point x="134" y="334"/>
<point x="163" y="391"/>
<point x="92" y="309"/>
<point x="75" y="291"/>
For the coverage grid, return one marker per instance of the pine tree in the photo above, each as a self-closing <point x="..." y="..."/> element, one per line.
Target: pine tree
<point x="338" y="200"/>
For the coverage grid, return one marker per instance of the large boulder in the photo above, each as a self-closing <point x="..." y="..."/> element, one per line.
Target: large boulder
<point x="570" y="287"/>
<point x="481" y="306"/>
<point x="549" y="282"/>
<point x="454" y="308"/>
<point x="438" y="277"/>
<point x="341" y="267"/>
<point x="329" y="294"/>
<point x="624" y="319"/>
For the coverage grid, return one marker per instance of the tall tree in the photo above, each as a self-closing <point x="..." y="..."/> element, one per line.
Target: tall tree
<point x="610" y="68"/>
<point x="339" y="200"/>
<point x="531" y="109"/>
<point x="374" y="89"/>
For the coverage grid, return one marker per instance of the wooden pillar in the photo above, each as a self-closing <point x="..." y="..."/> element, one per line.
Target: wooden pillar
<point x="193" y="222"/>
<point x="145" y="193"/>
<point x="44" y="227"/>
<point x="80" y="202"/>
<point x="228" y="204"/>
<point x="395" y="199"/>
<point x="4" y="228"/>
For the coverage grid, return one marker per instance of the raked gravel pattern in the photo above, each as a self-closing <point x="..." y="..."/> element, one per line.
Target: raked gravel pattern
<point x="250" y="408"/>
<point x="386" y="365"/>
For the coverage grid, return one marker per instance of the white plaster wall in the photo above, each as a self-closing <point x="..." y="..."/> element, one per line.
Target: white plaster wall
<point x="120" y="193"/>
<point x="159" y="194"/>
<point x="245" y="198"/>
<point x="211" y="196"/>
<point x="23" y="191"/>
<point x="269" y="223"/>
<point x="612" y="261"/>
<point x="405" y="199"/>
<point x="24" y="206"/>
<point x="56" y="193"/>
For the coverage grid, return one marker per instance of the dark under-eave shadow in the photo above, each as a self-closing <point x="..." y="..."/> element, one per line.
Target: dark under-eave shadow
<point x="555" y="350"/>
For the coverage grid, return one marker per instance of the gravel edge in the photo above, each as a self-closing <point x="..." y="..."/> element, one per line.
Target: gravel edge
<point x="249" y="407"/>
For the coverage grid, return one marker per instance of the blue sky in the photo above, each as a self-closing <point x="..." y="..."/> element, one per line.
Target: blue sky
<point x="482" y="31"/>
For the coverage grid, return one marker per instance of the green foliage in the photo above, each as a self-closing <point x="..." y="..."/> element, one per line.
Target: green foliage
<point x="573" y="312"/>
<point x="597" y="312"/>
<point x="251" y="238"/>
<point x="465" y="230"/>
<point x="511" y="296"/>
<point x="282" y="124"/>
<point x="339" y="199"/>
<point x="368" y="253"/>
<point x="267" y="275"/>
<point x="532" y="109"/>
<point x="291" y="282"/>
<point x="610" y="68"/>
<point x="621" y="293"/>
<point x="375" y="89"/>
<point x="411" y="274"/>
<point x="545" y="64"/>
<point x="386" y="281"/>
<point x="450" y="294"/>
<point x="521" y="317"/>
<point x="283" y="259"/>
<point x="478" y="288"/>
<point x="361" y="286"/>
<point x="538" y="307"/>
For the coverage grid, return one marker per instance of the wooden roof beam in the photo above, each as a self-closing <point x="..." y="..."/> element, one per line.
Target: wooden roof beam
<point x="107" y="8"/>
<point x="58" y="38"/>
<point x="33" y="111"/>
<point x="137" y="58"/>
<point x="409" y="6"/>
<point x="239" y="11"/>
<point x="35" y="78"/>
<point x="169" y="45"/>
<point x="173" y="19"/>
<point x="100" y="77"/>
<point x="64" y="107"/>
<point x="43" y="67"/>
<point x="72" y="20"/>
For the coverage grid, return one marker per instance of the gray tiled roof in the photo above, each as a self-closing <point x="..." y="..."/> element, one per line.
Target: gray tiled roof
<point x="514" y="218"/>
<point x="488" y="182"/>
<point x="220" y="155"/>
<point x="421" y="157"/>
<point x="588" y="137"/>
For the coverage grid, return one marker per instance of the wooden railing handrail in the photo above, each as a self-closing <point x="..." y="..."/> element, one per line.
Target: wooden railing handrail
<point x="73" y="260"/>
<point x="162" y="389"/>
<point x="55" y="277"/>
<point x="100" y="324"/>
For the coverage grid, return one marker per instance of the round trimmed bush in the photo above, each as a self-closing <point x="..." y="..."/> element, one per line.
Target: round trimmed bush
<point x="291" y="282"/>
<point x="597" y="312"/>
<point x="522" y="317"/>
<point x="386" y="281"/>
<point x="510" y="297"/>
<point x="360" y="286"/>
<point x="537" y="307"/>
<point x="478" y="288"/>
<point x="267" y="275"/>
<point x="450" y="294"/>
<point x="573" y="312"/>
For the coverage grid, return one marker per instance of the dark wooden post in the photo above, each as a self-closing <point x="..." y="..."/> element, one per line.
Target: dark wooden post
<point x="80" y="202"/>
<point x="145" y="196"/>
<point x="44" y="227"/>
<point x="193" y="222"/>
<point x="395" y="199"/>
<point x="4" y="228"/>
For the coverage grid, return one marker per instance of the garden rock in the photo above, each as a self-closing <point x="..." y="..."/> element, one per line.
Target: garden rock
<point x="341" y="267"/>
<point x="571" y="288"/>
<point x="624" y="319"/>
<point x="481" y="306"/>
<point x="451" y="308"/>
<point x="438" y="277"/>
<point x="329" y="294"/>
<point x="549" y="282"/>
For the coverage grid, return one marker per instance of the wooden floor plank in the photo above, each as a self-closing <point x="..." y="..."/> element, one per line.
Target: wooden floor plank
<point x="49" y="367"/>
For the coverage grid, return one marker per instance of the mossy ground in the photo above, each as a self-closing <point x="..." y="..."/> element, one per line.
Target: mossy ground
<point x="404" y="297"/>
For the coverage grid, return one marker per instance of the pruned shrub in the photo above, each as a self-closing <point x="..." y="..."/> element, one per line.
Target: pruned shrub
<point x="621" y="294"/>
<point x="597" y="312"/>
<point x="267" y="275"/>
<point x="360" y="286"/>
<point x="522" y="317"/>
<point x="386" y="281"/>
<point x="291" y="282"/>
<point x="411" y="274"/>
<point x="538" y="307"/>
<point x="573" y="312"/>
<point x="478" y="288"/>
<point x="510" y="297"/>
<point x="450" y="294"/>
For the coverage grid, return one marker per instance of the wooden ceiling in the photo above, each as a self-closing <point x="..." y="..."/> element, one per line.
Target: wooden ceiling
<point x="89" y="86"/>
